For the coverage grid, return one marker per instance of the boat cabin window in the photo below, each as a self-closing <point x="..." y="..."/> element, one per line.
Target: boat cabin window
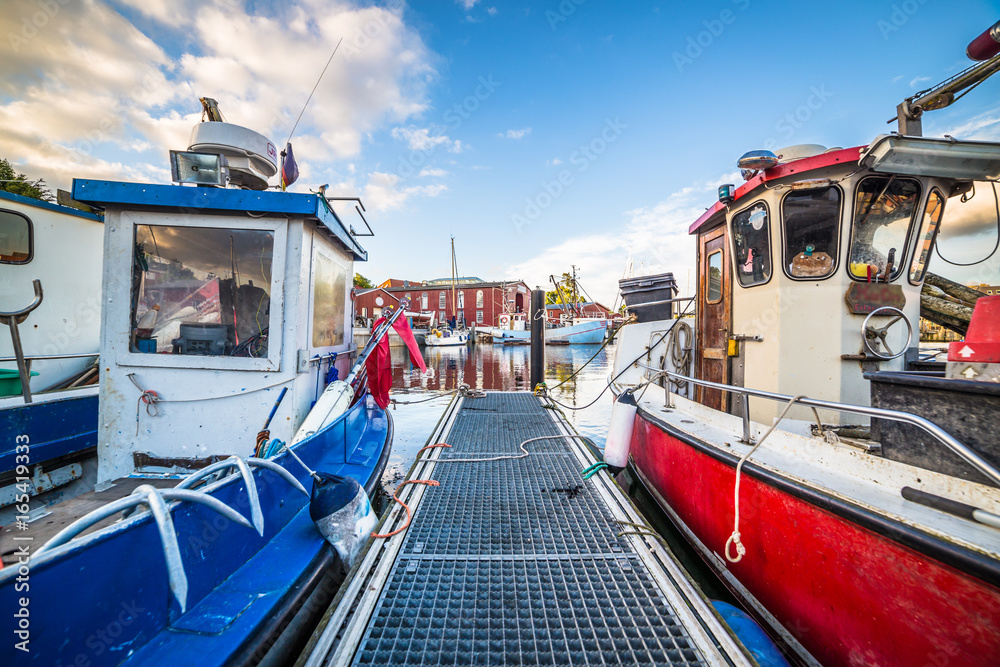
<point x="715" y="277"/>
<point x="883" y="211"/>
<point x="329" y="299"/>
<point x="925" y="241"/>
<point x="15" y="238"/>
<point x="201" y="291"/>
<point x="811" y="220"/>
<point x="751" y="237"/>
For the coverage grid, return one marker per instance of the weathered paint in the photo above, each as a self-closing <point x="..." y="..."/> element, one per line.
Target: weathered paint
<point x="851" y="596"/>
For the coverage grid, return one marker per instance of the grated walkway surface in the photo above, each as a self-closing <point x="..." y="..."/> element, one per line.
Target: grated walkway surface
<point x="518" y="562"/>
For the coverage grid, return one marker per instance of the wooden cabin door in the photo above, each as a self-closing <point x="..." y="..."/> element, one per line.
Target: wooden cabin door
<point x="714" y="301"/>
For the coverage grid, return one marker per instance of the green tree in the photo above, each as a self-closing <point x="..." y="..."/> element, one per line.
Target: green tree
<point x="18" y="184"/>
<point x="566" y="283"/>
<point x="361" y="281"/>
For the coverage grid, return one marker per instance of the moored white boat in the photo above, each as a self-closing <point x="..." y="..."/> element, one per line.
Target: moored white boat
<point x="50" y="270"/>
<point x="445" y="338"/>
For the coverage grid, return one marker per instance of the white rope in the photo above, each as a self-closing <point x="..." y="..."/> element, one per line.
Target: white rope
<point x="502" y="458"/>
<point x="735" y="537"/>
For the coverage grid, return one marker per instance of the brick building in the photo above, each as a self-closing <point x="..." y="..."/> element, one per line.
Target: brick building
<point x="476" y="301"/>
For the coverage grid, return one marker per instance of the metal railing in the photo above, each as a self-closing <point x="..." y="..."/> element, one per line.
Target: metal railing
<point x="893" y="415"/>
<point x="662" y="301"/>
<point x="49" y="357"/>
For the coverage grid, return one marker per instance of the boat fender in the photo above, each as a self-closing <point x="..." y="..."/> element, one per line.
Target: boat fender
<point x="620" y="432"/>
<point x="342" y="513"/>
<point x="751" y="635"/>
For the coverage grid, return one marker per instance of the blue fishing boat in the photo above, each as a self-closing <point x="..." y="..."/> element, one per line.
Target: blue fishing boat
<point x="207" y="539"/>
<point x="49" y="339"/>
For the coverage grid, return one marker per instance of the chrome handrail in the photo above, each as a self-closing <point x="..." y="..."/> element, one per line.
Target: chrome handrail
<point x="155" y="499"/>
<point x="893" y="415"/>
<point x="48" y="357"/>
<point x="12" y="319"/>
<point x="662" y="301"/>
<point x="256" y="513"/>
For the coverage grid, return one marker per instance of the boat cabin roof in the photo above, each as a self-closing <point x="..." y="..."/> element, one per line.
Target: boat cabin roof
<point x="47" y="205"/>
<point x="261" y="203"/>
<point x="827" y="159"/>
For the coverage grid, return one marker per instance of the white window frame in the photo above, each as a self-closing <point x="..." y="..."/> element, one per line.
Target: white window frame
<point x="323" y="247"/>
<point x="119" y="292"/>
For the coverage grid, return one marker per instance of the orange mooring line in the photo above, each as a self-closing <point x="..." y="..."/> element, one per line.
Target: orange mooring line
<point x="409" y="515"/>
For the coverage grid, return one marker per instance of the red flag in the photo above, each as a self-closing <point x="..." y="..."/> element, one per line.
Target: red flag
<point x="379" y="362"/>
<point x="379" y="366"/>
<point x="402" y="327"/>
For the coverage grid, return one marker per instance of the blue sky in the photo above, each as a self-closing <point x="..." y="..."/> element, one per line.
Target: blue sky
<point x="538" y="134"/>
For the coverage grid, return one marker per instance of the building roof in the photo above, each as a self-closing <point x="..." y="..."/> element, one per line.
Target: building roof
<point x="221" y="201"/>
<point x="458" y="285"/>
<point x="396" y="282"/>
<point x="462" y="279"/>
<point x="376" y="289"/>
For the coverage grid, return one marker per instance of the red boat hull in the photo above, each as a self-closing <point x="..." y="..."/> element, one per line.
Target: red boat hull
<point x="853" y="590"/>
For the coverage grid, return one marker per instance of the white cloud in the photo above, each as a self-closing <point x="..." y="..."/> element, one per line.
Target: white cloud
<point x="656" y="235"/>
<point x="515" y="134"/>
<point x="982" y="127"/>
<point x="92" y="86"/>
<point x="432" y="172"/>
<point x="420" y="139"/>
<point x="917" y="80"/>
<point x="492" y="11"/>
<point x="468" y="4"/>
<point x="554" y="162"/>
<point x="383" y="191"/>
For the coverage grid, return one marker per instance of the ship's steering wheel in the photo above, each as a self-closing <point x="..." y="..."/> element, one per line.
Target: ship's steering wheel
<point x="870" y="334"/>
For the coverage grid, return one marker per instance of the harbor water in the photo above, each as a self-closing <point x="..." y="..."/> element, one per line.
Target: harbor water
<point x="421" y="398"/>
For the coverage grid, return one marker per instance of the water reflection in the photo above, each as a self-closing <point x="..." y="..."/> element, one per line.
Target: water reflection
<point x="494" y="367"/>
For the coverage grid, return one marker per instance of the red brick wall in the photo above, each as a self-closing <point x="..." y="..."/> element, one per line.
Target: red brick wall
<point x="493" y="299"/>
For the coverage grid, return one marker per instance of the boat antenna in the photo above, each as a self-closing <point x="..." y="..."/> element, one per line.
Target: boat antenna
<point x="315" y="86"/>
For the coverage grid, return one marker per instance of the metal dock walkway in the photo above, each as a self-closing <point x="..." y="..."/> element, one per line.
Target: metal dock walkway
<point x="516" y="562"/>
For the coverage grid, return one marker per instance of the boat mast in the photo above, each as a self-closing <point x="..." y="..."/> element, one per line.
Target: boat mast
<point x="576" y="298"/>
<point x="454" y="303"/>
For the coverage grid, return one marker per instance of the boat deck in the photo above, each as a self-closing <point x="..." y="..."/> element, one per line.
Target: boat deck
<point x="516" y="562"/>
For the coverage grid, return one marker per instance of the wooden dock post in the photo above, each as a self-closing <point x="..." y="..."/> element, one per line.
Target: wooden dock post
<point x="537" y="311"/>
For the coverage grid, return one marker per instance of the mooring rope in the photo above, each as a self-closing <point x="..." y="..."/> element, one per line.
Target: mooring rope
<point x="734" y="539"/>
